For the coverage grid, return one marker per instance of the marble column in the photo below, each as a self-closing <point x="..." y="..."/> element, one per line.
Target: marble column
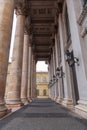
<point x="52" y="88"/>
<point x="6" y="20"/>
<point x="13" y="96"/>
<point x="24" y="81"/>
<point x="56" y="57"/>
<point x="54" y="71"/>
<point x="34" y="80"/>
<point x="67" y="84"/>
<point x="31" y="75"/>
<point x="29" y="71"/>
<point x="79" y="49"/>
<point x="49" y="77"/>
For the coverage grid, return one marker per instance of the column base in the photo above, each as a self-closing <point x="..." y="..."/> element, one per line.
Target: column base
<point x="59" y="100"/>
<point x="4" y="110"/>
<point x="52" y="98"/>
<point x="4" y="113"/>
<point x="24" y="101"/>
<point x="55" y="98"/>
<point x="81" y="108"/>
<point x="29" y="99"/>
<point x="68" y="103"/>
<point x="14" y="104"/>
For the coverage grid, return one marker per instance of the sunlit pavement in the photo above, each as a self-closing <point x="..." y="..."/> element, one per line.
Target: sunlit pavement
<point x="43" y="114"/>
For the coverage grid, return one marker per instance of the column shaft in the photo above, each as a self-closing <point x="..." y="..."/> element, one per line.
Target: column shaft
<point x="67" y="85"/>
<point x="24" y="82"/>
<point x="6" y="20"/>
<point x="29" y="73"/>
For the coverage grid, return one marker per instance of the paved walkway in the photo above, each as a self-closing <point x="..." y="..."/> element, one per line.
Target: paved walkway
<point x="43" y="114"/>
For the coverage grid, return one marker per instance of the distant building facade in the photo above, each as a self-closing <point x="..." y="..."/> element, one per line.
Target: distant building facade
<point x="42" y="84"/>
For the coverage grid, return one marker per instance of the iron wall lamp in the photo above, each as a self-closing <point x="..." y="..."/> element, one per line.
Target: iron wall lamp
<point x="62" y="74"/>
<point x="54" y="78"/>
<point x="57" y="71"/>
<point x="70" y="59"/>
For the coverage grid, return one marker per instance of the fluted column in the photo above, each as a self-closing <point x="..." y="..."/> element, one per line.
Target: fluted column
<point x="24" y="82"/>
<point x="32" y="67"/>
<point x="56" y="57"/>
<point x="29" y="71"/>
<point x="13" y="96"/>
<point x="33" y="77"/>
<point x="6" y="19"/>
<point x="67" y="86"/>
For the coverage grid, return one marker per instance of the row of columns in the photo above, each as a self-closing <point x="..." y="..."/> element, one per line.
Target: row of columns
<point x="21" y="75"/>
<point x="64" y="91"/>
<point x="61" y="91"/>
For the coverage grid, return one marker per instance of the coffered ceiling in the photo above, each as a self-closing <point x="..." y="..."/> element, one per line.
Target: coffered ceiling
<point x="42" y="15"/>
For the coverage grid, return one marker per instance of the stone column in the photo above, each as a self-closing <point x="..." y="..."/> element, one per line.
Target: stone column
<point x="24" y="82"/>
<point x="6" y="20"/>
<point x="13" y="96"/>
<point x="56" y="57"/>
<point x="67" y="85"/>
<point x="34" y="90"/>
<point x="49" y="77"/>
<point x="29" y="70"/>
<point x="52" y="88"/>
<point x="54" y="71"/>
<point x="31" y="76"/>
<point x="78" y="45"/>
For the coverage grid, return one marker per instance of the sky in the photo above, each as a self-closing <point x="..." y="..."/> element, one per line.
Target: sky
<point x="41" y="66"/>
<point x="12" y="37"/>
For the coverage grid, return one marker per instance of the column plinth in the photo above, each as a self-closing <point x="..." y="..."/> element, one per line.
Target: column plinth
<point x="6" y="20"/>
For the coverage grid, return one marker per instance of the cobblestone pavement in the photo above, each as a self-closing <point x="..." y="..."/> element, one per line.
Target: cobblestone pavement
<point x="43" y="114"/>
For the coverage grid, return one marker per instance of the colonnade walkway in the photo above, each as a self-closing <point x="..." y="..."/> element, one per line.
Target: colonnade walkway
<point x="43" y="114"/>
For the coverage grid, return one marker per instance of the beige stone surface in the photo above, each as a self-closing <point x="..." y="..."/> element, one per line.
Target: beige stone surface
<point x="24" y="81"/>
<point x="29" y="71"/>
<point x="6" y="20"/>
<point x="42" y="84"/>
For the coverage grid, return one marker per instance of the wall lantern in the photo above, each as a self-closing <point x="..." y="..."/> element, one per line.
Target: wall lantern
<point x="54" y="78"/>
<point x="50" y="83"/>
<point x="70" y="59"/>
<point x="57" y="71"/>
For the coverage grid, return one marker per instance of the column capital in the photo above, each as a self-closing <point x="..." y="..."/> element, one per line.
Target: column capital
<point x="22" y="7"/>
<point x="27" y="28"/>
<point x="59" y="6"/>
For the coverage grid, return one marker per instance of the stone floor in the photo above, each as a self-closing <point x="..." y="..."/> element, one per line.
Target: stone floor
<point x="43" y="114"/>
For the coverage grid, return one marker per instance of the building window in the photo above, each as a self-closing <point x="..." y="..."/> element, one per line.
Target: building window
<point x="44" y="79"/>
<point x="44" y="92"/>
<point x="67" y="24"/>
<point x="37" y="92"/>
<point x="37" y="79"/>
